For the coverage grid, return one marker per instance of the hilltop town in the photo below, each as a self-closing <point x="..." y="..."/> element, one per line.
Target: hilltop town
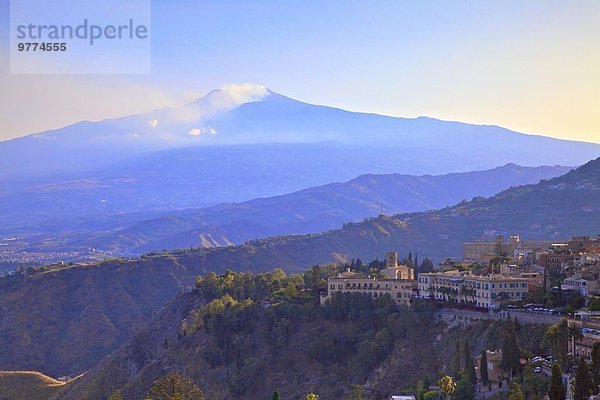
<point x="556" y="284"/>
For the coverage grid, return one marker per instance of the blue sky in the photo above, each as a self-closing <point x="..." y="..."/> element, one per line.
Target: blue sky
<point x="532" y="66"/>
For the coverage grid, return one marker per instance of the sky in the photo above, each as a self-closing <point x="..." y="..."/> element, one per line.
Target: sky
<point x="531" y="66"/>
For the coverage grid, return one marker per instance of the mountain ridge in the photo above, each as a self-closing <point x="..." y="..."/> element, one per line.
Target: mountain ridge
<point x="246" y="116"/>
<point x="310" y="210"/>
<point x="553" y="209"/>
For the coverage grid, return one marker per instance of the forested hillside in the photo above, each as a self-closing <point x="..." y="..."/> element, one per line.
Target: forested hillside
<point x="242" y="336"/>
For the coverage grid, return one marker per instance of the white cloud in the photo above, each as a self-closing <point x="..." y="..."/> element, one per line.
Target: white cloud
<point x="244" y="93"/>
<point x="217" y="102"/>
<point x="153" y="122"/>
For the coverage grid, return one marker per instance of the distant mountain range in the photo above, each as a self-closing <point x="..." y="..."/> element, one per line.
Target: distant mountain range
<point x="310" y="210"/>
<point x="316" y="209"/>
<point x="234" y="145"/>
<point x="65" y="320"/>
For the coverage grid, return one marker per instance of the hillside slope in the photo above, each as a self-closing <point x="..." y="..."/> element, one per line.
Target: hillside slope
<point x="310" y="210"/>
<point x="320" y="350"/>
<point x="36" y="308"/>
<point x="319" y="209"/>
<point x="28" y="385"/>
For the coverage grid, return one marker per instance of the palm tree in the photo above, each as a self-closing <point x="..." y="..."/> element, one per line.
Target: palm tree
<point x="557" y="336"/>
<point x="503" y="296"/>
<point x="573" y="334"/>
<point x="463" y="292"/>
<point x="447" y="385"/>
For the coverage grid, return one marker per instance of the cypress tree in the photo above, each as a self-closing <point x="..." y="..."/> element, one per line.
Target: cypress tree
<point x="595" y="367"/>
<point x="510" y="352"/>
<point x="416" y="272"/>
<point x="583" y="382"/>
<point x="469" y="364"/>
<point x="483" y="370"/>
<point x="457" y="363"/>
<point x="556" y="390"/>
<point x="515" y="392"/>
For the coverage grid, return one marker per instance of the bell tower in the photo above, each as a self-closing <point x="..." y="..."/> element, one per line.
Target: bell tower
<point x="391" y="259"/>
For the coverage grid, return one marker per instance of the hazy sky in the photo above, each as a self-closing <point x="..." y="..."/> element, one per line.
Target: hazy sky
<point x="531" y="66"/>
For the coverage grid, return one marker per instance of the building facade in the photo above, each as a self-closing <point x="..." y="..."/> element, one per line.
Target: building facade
<point x="461" y="287"/>
<point x="588" y="322"/>
<point x="400" y="290"/>
<point x="522" y="251"/>
<point x="395" y="270"/>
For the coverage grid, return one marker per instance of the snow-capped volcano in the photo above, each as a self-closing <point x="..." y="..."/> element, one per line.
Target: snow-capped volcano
<point x="252" y="114"/>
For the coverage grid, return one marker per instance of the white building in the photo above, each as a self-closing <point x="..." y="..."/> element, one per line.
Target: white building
<point x="462" y="287"/>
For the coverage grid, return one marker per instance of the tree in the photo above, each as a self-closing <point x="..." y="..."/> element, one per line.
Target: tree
<point x="457" y="363"/>
<point x="595" y="369"/>
<point x="275" y="396"/>
<point x="116" y="395"/>
<point x="469" y="364"/>
<point x="358" y="393"/>
<point x="583" y="382"/>
<point x="510" y="352"/>
<point x="416" y="266"/>
<point x="557" y="389"/>
<point x="483" y="369"/>
<point x="594" y="304"/>
<point x="422" y="388"/>
<point x="431" y="395"/>
<point x="312" y="396"/>
<point x="515" y="392"/>
<point x="447" y="386"/>
<point x="464" y="390"/>
<point x="426" y="265"/>
<point x="174" y="387"/>
<point x="557" y="336"/>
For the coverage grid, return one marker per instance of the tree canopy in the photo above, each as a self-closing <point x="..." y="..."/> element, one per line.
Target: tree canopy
<point x="556" y="391"/>
<point x="174" y="386"/>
